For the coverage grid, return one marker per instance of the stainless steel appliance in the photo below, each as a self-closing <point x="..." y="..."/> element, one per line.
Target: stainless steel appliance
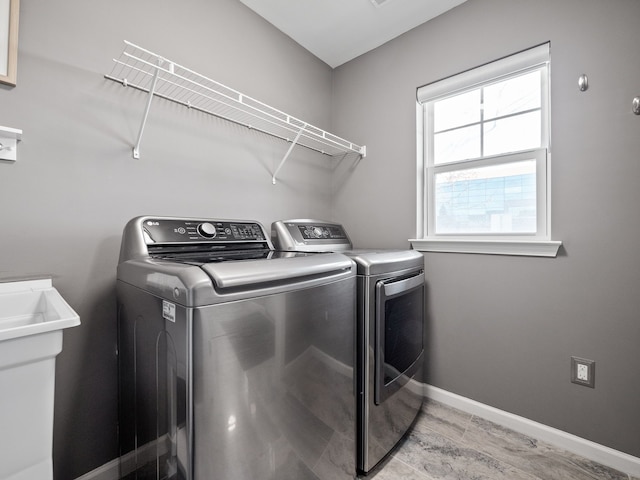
<point x="390" y="352"/>
<point x="235" y="361"/>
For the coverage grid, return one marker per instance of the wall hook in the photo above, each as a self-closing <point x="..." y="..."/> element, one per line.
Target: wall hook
<point x="583" y="82"/>
<point x="635" y="106"/>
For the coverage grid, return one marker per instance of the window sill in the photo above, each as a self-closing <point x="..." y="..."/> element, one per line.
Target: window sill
<point x="528" y="248"/>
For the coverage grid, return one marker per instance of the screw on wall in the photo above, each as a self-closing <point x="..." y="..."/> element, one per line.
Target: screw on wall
<point x="583" y="371"/>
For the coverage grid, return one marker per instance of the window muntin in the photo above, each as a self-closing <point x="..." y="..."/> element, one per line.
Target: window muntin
<point x="496" y="118"/>
<point x="486" y="151"/>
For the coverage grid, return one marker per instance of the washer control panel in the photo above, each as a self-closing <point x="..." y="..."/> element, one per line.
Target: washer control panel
<point x="164" y="230"/>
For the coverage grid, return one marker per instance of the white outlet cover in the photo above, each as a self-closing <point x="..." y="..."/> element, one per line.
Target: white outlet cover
<point x="583" y="371"/>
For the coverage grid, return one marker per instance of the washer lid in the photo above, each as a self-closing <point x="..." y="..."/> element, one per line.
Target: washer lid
<point x="285" y="267"/>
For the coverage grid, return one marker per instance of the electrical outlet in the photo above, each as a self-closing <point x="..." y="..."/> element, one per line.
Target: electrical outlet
<point x="583" y="371"/>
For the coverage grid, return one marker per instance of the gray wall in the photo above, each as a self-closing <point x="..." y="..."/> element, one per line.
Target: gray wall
<point x="502" y="329"/>
<point x="66" y="200"/>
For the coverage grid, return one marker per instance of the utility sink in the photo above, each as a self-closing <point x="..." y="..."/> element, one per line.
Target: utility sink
<point x="31" y="307"/>
<point x="32" y="317"/>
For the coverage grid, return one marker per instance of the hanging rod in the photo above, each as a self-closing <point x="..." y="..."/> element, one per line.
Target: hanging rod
<point x="146" y="71"/>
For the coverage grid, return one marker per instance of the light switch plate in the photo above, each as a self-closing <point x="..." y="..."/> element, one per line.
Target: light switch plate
<point x="9" y="138"/>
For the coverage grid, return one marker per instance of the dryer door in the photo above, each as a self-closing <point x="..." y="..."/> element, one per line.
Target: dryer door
<point x="399" y="333"/>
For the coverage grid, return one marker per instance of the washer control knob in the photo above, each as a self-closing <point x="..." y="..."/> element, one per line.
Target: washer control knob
<point x="317" y="232"/>
<point x="207" y="230"/>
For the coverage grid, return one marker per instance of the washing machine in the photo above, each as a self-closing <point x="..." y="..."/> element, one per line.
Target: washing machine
<point x="236" y="361"/>
<point x="390" y="319"/>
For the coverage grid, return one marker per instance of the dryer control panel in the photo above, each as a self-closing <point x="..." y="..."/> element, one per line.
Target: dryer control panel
<point x="322" y="231"/>
<point x="310" y="235"/>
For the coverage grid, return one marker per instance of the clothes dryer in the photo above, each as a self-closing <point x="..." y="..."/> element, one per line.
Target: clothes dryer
<point x="390" y="319"/>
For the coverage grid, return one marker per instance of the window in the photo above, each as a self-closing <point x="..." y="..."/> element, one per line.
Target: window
<point x="483" y="153"/>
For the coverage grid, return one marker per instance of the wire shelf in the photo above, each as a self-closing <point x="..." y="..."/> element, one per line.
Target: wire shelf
<point x="146" y="71"/>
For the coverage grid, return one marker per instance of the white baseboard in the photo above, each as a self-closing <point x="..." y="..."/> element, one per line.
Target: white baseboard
<point x="585" y="448"/>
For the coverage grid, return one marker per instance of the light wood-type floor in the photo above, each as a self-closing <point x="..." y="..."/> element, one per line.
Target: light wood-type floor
<point x="447" y="444"/>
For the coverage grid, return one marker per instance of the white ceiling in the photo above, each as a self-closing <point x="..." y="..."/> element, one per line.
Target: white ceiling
<point x="337" y="31"/>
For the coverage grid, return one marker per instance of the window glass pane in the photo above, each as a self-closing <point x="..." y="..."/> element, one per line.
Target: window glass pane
<point x="455" y="145"/>
<point x="498" y="199"/>
<point x="512" y="96"/>
<point x="512" y="134"/>
<point x="456" y="111"/>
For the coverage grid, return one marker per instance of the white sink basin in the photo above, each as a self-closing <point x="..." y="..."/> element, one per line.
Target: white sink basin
<point x="32" y="316"/>
<point x="31" y="307"/>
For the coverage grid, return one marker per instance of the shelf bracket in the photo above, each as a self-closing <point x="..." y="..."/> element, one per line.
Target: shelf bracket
<point x="286" y="155"/>
<point x="152" y="89"/>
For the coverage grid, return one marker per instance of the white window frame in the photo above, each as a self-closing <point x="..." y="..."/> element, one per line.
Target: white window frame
<point x="538" y="244"/>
